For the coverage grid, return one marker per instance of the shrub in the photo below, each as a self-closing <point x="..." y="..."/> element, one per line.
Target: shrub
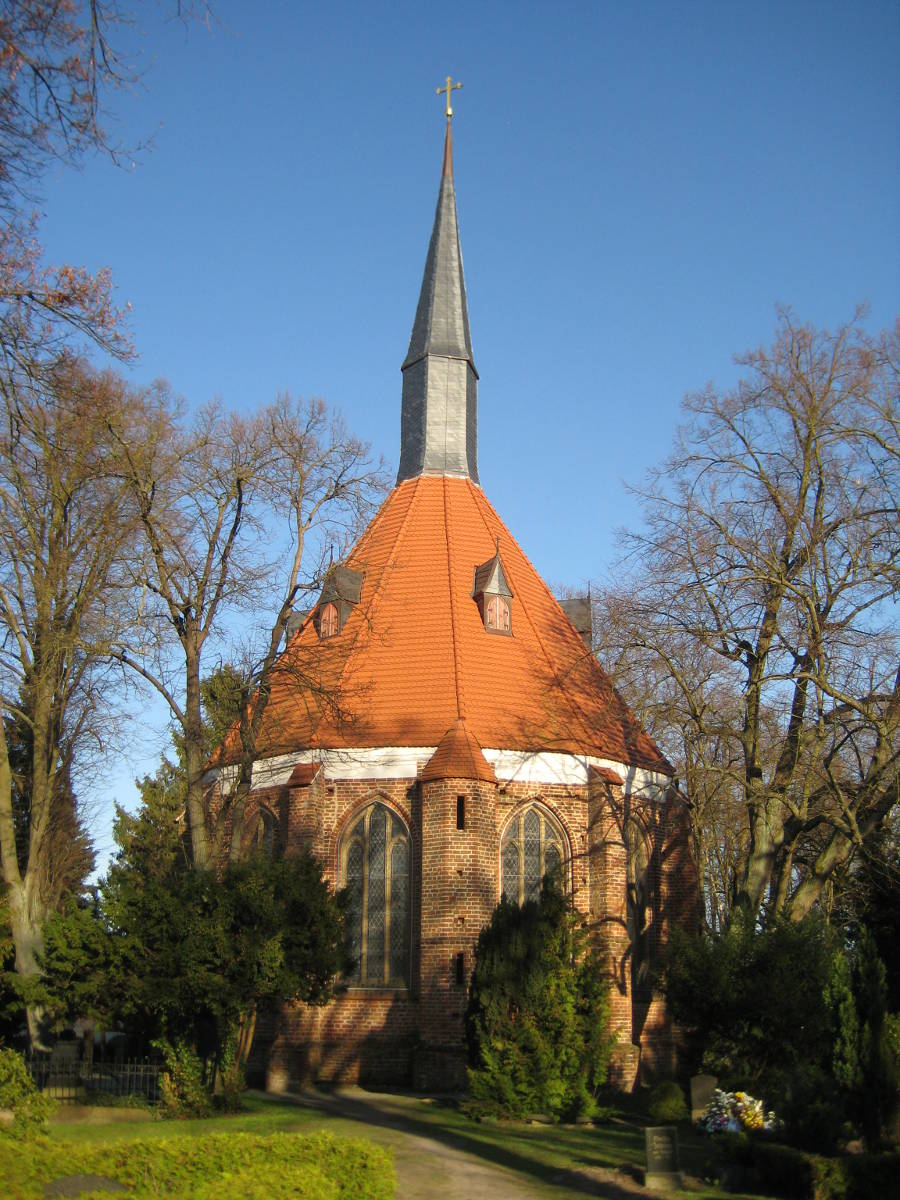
<point x="794" y="1174"/>
<point x="875" y="1097"/>
<point x="182" y="1090"/>
<point x="538" y="1013"/>
<point x="794" y="1016"/>
<point x="224" y="1166"/>
<point x="753" y="1003"/>
<point x="815" y="1112"/>
<point x="19" y="1095"/>
<point x="667" y="1102"/>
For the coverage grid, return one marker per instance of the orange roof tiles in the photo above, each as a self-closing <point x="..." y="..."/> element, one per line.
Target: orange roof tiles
<point x="608" y="775"/>
<point x="458" y="756"/>
<point x="413" y="657"/>
<point x="303" y="774"/>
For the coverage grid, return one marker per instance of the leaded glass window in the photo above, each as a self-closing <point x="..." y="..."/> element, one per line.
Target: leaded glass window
<point x="532" y="847"/>
<point x="375" y="858"/>
<point x="638" y="905"/>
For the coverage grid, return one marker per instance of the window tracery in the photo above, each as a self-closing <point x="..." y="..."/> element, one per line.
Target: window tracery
<point x="375" y="867"/>
<point x="531" y="847"/>
<point x="638" y="904"/>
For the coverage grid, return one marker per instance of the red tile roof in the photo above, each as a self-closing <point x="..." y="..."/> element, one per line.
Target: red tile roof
<point x="608" y="775"/>
<point x="303" y="774"/>
<point x="458" y="756"/>
<point x="413" y="657"/>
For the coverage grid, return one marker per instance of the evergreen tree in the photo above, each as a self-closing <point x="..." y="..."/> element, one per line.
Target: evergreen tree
<point x="876" y="1091"/>
<point x="538" y="1012"/>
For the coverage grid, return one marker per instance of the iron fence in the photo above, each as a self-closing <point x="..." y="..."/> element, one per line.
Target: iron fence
<point x="73" y="1082"/>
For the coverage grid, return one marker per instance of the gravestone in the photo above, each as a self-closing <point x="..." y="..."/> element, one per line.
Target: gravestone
<point x="702" y="1088"/>
<point x="662" y="1159"/>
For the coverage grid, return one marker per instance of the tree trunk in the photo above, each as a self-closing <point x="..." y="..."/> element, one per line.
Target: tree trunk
<point x="765" y="838"/>
<point x="194" y="757"/>
<point x="246" y="1031"/>
<point x="26" y="925"/>
<point x="28" y="939"/>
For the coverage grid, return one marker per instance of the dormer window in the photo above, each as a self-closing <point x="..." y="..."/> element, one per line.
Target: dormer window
<point x="492" y="593"/>
<point x="340" y="595"/>
<point x="329" y="624"/>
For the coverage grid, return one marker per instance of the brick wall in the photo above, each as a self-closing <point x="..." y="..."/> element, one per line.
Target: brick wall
<point x="415" y="1035"/>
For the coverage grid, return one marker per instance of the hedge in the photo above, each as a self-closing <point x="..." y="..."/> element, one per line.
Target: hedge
<point x="795" y="1174"/>
<point x="219" y="1166"/>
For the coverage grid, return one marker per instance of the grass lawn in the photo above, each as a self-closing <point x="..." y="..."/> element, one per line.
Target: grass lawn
<point x="262" y="1114"/>
<point x="218" y="1156"/>
<point x="559" y="1160"/>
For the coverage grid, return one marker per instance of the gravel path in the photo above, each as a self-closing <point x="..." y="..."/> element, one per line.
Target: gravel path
<point x="432" y="1168"/>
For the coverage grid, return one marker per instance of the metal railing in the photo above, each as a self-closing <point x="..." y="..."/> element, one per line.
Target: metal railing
<point x="73" y="1082"/>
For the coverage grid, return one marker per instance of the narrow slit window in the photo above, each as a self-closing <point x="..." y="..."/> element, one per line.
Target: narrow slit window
<point x="460" y="969"/>
<point x="460" y="812"/>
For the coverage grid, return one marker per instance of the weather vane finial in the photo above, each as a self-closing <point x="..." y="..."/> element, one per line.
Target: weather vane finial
<point x="448" y="87"/>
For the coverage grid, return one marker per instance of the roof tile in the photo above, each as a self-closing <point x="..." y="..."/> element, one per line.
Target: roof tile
<point x="458" y="756"/>
<point x="414" y="657"/>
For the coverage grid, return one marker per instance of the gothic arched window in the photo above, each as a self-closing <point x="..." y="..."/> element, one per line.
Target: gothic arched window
<point x="638" y="905"/>
<point x="263" y="833"/>
<point x="532" y="847"/>
<point x="375" y="869"/>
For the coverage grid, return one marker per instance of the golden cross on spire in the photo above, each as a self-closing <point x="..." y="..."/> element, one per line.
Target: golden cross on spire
<point x="448" y="88"/>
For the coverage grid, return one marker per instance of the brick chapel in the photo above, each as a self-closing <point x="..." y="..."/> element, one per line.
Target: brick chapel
<point x="475" y="745"/>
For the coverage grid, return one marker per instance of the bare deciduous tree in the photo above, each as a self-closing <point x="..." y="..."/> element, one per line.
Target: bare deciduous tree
<point x="65" y="536"/>
<point x="59" y="68"/>
<point x="762" y="602"/>
<point x="214" y="498"/>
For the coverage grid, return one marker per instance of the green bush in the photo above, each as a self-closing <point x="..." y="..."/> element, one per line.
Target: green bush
<point x="182" y="1089"/>
<point x="795" y="1174"/>
<point x="227" y="1166"/>
<point x="753" y="1003"/>
<point x="666" y="1103"/>
<point x="814" y="1112"/>
<point x="794" y="1016"/>
<point x="20" y="1096"/>
<point x="538" y="1013"/>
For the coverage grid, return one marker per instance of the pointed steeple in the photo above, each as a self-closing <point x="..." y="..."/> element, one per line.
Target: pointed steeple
<point x="438" y="425"/>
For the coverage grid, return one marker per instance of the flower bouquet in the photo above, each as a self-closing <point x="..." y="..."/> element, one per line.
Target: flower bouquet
<point x="733" y="1112"/>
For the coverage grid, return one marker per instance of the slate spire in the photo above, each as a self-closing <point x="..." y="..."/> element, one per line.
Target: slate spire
<point x="438" y="423"/>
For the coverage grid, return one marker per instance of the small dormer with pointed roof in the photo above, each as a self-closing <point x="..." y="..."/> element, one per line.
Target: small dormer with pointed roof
<point x="492" y="593"/>
<point x="341" y="593"/>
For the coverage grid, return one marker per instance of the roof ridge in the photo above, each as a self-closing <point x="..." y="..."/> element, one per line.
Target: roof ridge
<point x="553" y="666"/>
<point x="460" y="691"/>
<point x="366" y="535"/>
<point x="372" y="606"/>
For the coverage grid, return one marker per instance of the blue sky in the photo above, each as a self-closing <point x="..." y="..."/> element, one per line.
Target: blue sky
<point x="639" y="185"/>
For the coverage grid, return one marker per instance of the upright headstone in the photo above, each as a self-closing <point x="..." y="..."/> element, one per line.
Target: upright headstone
<point x="702" y="1088"/>
<point x="662" y="1172"/>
